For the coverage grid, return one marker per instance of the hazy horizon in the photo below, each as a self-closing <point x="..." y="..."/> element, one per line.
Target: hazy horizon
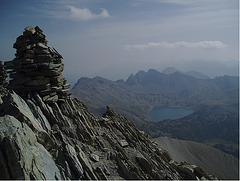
<point x="212" y="70"/>
<point x="113" y="39"/>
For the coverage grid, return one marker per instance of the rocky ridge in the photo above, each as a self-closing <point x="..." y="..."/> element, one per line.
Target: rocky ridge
<point x="65" y="141"/>
<point x="196" y="74"/>
<point x="42" y="139"/>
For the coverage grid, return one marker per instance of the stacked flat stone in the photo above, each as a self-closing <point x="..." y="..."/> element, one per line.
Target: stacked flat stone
<point x="3" y="75"/>
<point x="37" y="68"/>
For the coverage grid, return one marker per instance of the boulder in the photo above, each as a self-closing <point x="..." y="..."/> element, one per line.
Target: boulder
<point x="21" y="156"/>
<point x="94" y="157"/>
<point x="123" y="143"/>
<point x="29" y="30"/>
<point x="15" y="106"/>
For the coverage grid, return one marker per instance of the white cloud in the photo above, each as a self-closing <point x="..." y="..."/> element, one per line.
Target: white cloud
<point x="200" y="44"/>
<point x="183" y="2"/>
<point x="84" y="14"/>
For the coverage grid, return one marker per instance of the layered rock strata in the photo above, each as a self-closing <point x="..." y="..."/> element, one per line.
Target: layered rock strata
<point x="65" y="141"/>
<point x="37" y="68"/>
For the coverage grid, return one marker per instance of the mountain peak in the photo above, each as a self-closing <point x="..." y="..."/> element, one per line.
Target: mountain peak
<point x="152" y="71"/>
<point x="196" y="74"/>
<point x="170" y="70"/>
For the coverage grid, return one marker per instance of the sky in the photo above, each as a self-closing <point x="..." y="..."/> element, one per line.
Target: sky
<point x="114" y="38"/>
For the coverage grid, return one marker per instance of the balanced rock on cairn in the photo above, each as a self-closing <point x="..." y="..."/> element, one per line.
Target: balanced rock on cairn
<point x="37" y="68"/>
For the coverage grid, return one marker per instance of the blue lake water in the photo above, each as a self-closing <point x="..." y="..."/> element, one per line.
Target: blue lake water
<point x="163" y="112"/>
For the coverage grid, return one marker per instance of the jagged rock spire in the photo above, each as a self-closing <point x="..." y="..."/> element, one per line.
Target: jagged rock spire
<point x="37" y="67"/>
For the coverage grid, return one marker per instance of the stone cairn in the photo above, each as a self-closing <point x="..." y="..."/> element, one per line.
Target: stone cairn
<point x="37" y="68"/>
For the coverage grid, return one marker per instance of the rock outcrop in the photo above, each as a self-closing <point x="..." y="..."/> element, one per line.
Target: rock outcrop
<point x="63" y="140"/>
<point x="37" y="67"/>
<point x="66" y="141"/>
<point x="3" y="75"/>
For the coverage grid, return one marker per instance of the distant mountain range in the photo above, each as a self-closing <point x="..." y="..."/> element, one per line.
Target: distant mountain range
<point x="175" y="89"/>
<point x="211" y="68"/>
<point x="196" y="74"/>
<point x="214" y="102"/>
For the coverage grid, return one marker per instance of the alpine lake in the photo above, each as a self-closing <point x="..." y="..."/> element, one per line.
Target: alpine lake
<point x="161" y="113"/>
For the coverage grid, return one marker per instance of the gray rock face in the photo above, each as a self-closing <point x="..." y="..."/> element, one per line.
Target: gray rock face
<point x="22" y="157"/>
<point x="66" y="141"/>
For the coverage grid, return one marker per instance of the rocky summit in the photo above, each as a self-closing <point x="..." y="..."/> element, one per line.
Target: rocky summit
<point x="43" y="138"/>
